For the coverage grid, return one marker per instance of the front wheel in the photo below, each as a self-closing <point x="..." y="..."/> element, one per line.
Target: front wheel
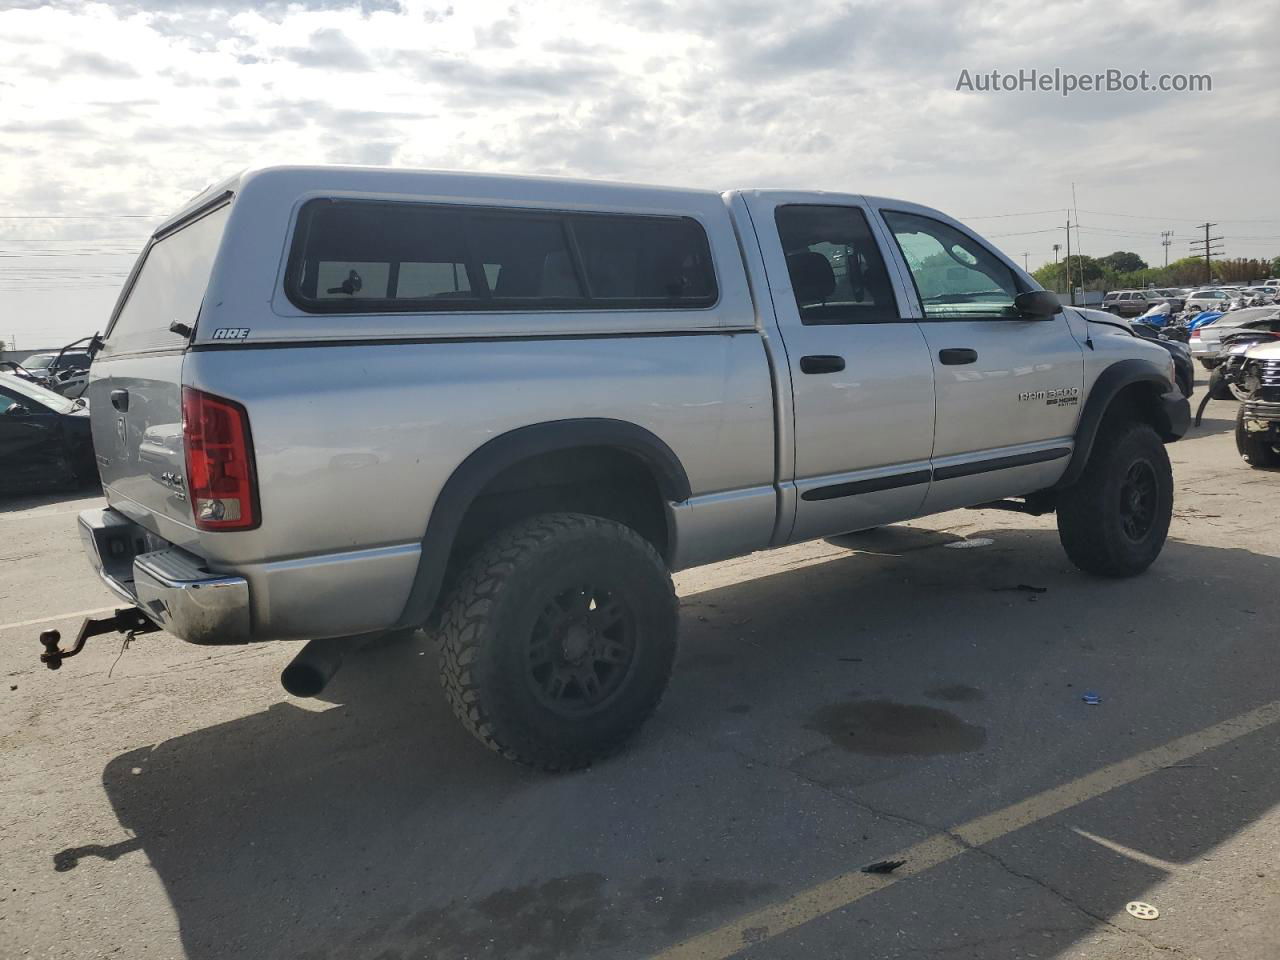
<point x="1256" y="451"/>
<point x="558" y="640"/>
<point x="1114" y="520"/>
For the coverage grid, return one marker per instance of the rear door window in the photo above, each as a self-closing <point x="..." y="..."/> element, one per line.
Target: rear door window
<point x="836" y="270"/>
<point x="364" y="256"/>
<point x="169" y="287"/>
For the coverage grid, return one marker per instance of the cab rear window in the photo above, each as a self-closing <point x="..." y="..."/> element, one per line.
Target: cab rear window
<point x="367" y="256"/>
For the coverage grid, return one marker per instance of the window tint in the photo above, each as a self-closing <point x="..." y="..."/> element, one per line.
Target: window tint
<point x="639" y="259"/>
<point x="837" y="272"/>
<point x="528" y="254"/>
<point x="956" y="277"/>
<point x="170" y="286"/>
<point x="372" y="256"/>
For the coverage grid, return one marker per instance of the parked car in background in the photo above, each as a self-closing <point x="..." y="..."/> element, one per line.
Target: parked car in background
<point x="45" y="439"/>
<point x="1206" y="339"/>
<point x="1206" y="299"/>
<point x="1260" y="296"/>
<point x="50" y="368"/>
<point x="1133" y="303"/>
<point x="1175" y="298"/>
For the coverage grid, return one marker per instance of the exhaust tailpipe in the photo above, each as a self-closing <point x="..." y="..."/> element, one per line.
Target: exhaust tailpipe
<point x="311" y="670"/>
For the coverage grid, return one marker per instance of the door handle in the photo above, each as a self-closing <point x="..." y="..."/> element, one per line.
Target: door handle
<point x="120" y="400"/>
<point x="954" y="356"/>
<point x="821" y="363"/>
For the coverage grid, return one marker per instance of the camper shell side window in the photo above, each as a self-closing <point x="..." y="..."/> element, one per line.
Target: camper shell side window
<point x="376" y="256"/>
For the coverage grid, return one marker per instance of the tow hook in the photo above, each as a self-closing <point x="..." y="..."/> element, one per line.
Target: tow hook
<point x="127" y="620"/>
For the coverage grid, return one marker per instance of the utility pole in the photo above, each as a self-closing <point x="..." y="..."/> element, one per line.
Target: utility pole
<point x="1164" y="242"/>
<point x="1209" y="250"/>
<point x="1024" y="261"/>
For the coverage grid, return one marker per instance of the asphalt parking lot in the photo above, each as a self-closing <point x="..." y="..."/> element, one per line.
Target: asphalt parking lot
<point x="889" y="698"/>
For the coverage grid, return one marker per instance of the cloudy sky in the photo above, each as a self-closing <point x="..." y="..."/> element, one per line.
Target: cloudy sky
<point x="116" y="113"/>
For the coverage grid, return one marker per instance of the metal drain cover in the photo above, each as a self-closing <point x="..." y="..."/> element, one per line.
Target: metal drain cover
<point x="1143" y="911"/>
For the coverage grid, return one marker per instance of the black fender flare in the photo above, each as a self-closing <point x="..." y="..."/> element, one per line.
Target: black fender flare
<point x="508" y="449"/>
<point x="1169" y="418"/>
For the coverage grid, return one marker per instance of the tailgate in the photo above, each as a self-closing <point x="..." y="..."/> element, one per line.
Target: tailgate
<point x="135" y="388"/>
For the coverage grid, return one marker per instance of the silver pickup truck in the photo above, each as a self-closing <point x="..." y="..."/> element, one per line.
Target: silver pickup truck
<point x="337" y="403"/>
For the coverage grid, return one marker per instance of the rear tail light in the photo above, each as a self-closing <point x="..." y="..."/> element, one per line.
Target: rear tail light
<point x="221" y="477"/>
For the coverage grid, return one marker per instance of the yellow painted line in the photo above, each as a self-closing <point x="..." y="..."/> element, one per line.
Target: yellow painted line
<point x="839" y="892"/>
<point x="60" y="616"/>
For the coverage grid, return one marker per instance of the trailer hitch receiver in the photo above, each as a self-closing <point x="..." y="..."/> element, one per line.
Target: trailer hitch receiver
<point x="127" y="620"/>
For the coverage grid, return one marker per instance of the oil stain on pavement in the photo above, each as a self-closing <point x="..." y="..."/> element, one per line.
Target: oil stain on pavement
<point x="884" y="728"/>
<point x="956" y="693"/>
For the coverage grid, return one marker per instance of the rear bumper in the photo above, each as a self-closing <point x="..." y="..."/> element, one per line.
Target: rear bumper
<point x="346" y="594"/>
<point x="170" y="586"/>
<point x="1202" y="348"/>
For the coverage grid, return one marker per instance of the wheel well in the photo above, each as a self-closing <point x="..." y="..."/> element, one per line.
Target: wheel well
<point x="1140" y="401"/>
<point x="1138" y="396"/>
<point x="598" y="480"/>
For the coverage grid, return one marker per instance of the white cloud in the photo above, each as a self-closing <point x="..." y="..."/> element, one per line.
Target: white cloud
<point x="133" y="107"/>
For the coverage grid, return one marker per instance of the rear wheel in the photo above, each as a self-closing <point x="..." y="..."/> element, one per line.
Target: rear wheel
<point x="1114" y="520"/>
<point x="558" y="640"/>
<point x="1256" y="451"/>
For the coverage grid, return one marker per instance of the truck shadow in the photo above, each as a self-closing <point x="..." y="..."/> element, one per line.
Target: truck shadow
<point x="375" y="827"/>
<point x="82" y="495"/>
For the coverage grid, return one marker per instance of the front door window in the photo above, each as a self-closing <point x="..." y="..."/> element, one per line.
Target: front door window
<point x="955" y="276"/>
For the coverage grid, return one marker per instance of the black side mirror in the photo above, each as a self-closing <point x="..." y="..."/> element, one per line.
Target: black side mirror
<point x="1036" y="305"/>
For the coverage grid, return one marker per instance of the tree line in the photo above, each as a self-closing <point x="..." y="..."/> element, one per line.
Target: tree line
<point x="1124" y="270"/>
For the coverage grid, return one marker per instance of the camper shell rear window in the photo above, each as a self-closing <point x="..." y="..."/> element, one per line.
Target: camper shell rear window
<point x="376" y="256"/>
<point x="168" y="286"/>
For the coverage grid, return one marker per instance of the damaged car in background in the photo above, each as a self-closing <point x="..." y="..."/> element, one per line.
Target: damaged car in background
<point x="1254" y="378"/>
<point x="45" y="439"/>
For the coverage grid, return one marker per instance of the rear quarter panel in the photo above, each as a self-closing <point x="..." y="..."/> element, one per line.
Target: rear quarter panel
<point x="354" y="442"/>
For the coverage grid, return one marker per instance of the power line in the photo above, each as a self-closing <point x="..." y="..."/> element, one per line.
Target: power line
<point x="1026" y="213"/>
<point x="1023" y="233"/>
<point x="1106" y="213"/>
